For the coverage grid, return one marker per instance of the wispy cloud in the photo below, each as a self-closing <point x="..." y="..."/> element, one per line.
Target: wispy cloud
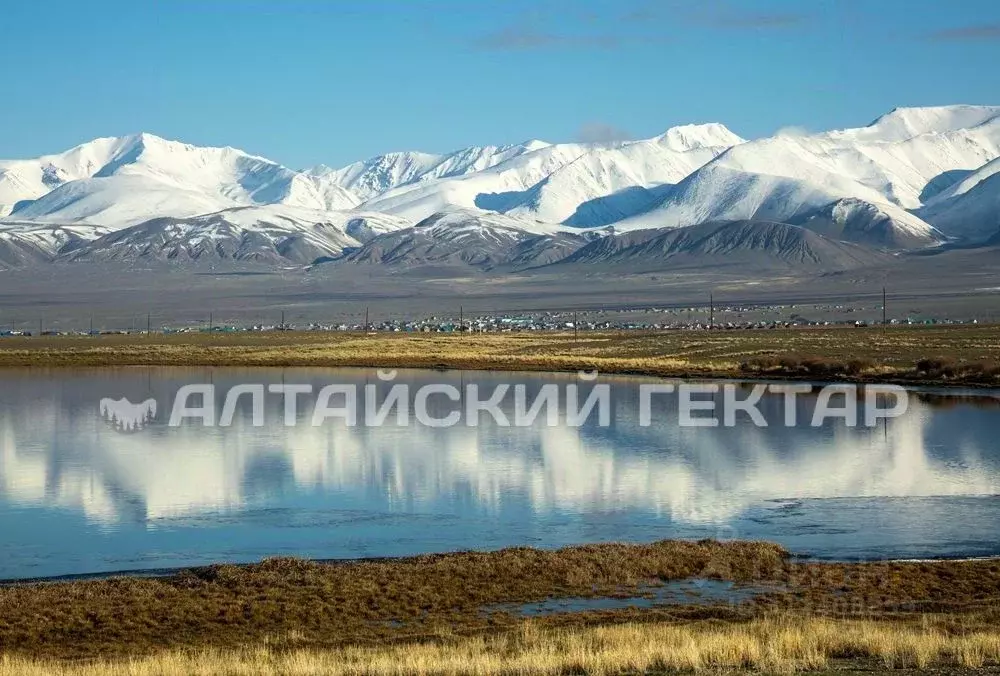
<point x="721" y="14"/>
<point x="988" y="31"/>
<point x="519" y="38"/>
<point x="792" y="131"/>
<point x="637" y="22"/>
<point x="640" y="14"/>
<point x="756" y="21"/>
<point x="523" y="37"/>
<point x="602" y="133"/>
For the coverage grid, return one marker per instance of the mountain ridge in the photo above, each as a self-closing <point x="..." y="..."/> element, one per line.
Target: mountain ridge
<point x="912" y="178"/>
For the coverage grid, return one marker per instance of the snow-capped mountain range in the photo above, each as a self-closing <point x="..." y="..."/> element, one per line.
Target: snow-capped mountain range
<point x="913" y="178"/>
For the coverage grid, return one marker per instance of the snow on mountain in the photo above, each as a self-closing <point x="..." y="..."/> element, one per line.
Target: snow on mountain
<point x="902" y="171"/>
<point x="551" y="182"/>
<point x="378" y="174"/>
<point x="718" y="193"/>
<point x="16" y="252"/>
<point x="900" y="124"/>
<point x="784" y="177"/>
<point x="689" y="137"/>
<point x="892" y="161"/>
<point x="489" y="189"/>
<point x="123" y="181"/>
<point x="272" y="234"/>
<point x="969" y="181"/>
<point x="375" y="176"/>
<point x="973" y="214"/>
<point x="878" y="163"/>
<point x="473" y="238"/>
<point x="25" y="243"/>
<point x="970" y="207"/>
<point x="578" y="193"/>
<point x="907" y="180"/>
<point x="22" y="180"/>
<point x="117" y="201"/>
<point x="461" y="222"/>
<point x="53" y="238"/>
<point x="881" y="225"/>
<point x="298" y="218"/>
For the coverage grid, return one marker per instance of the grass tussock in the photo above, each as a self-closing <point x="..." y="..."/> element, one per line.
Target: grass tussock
<point x="781" y="645"/>
<point x="948" y="368"/>
<point x="808" y="367"/>
<point x="897" y="354"/>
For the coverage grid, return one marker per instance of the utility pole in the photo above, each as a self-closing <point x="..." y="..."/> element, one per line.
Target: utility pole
<point x="282" y="327"/>
<point x="576" y="326"/>
<point x="366" y="319"/>
<point x="211" y="321"/>
<point x="711" y="310"/>
<point x="461" y="319"/>
<point x="149" y="328"/>
<point x="884" y="311"/>
<point x="91" y="324"/>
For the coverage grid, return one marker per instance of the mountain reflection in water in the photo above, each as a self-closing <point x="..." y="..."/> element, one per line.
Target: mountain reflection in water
<point x="77" y="496"/>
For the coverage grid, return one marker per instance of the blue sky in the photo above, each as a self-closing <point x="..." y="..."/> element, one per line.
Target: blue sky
<point x="306" y="81"/>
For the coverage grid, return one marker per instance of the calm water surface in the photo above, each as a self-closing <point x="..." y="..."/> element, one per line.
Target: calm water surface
<point x="79" y="496"/>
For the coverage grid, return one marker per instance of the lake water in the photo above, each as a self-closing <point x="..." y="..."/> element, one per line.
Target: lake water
<point x="78" y="495"/>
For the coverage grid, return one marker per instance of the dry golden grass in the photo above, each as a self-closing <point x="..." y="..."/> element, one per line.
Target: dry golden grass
<point x="948" y="355"/>
<point x="782" y="645"/>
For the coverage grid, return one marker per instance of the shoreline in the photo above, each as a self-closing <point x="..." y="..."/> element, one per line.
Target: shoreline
<point x="445" y="601"/>
<point x="933" y="357"/>
<point x="162" y="573"/>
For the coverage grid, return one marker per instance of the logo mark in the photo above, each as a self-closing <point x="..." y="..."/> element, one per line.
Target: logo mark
<point x="125" y="416"/>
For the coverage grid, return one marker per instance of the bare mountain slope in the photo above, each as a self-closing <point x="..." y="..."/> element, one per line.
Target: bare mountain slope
<point x="738" y="244"/>
<point x="272" y="234"/>
<point x="469" y="238"/>
<point x="25" y="244"/>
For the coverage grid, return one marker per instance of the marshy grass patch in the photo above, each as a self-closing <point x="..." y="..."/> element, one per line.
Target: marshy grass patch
<point x="962" y="355"/>
<point x="903" y="614"/>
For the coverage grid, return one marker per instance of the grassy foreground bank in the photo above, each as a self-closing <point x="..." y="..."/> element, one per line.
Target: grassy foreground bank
<point x="440" y="614"/>
<point x="772" y="645"/>
<point x="940" y="355"/>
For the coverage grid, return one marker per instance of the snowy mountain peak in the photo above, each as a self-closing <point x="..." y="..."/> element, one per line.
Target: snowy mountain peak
<point x="696" y="136"/>
<point x="112" y="148"/>
<point x="377" y="175"/>
<point x="903" y="123"/>
<point x="122" y="181"/>
<point x="534" y="144"/>
<point x="143" y="139"/>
